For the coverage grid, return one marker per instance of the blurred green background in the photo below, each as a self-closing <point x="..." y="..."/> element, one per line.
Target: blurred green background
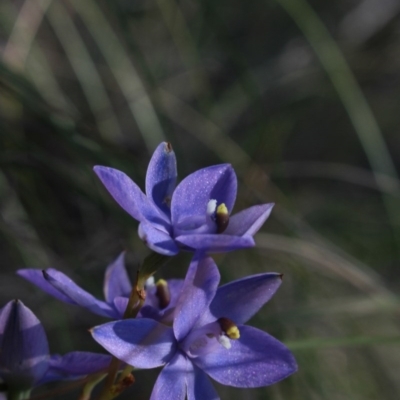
<point x="301" y="98"/>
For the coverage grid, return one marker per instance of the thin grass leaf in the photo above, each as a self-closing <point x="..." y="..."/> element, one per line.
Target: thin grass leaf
<point x="85" y="70"/>
<point x="124" y="72"/>
<point x="317" y="343"/>
<point x="359" y="275"/>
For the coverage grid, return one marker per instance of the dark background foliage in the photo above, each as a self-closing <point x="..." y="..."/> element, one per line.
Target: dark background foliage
<point x="301" y="98"/>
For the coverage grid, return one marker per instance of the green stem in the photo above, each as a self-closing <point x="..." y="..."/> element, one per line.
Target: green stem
<point x="13" y="394"/>
<point x="106" y="393"/>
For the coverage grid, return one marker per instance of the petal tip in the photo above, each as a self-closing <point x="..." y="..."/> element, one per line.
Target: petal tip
<point x="98" y="169"/>
<point x="168" y="147"/>
<point x="21" y="272"/>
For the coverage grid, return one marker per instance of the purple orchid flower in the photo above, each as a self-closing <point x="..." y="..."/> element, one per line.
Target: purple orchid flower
<point x="25" y="361"/>
<point x="207" y="337"/>
<point x="117" y="288"/>
<point x="194" y="216"/>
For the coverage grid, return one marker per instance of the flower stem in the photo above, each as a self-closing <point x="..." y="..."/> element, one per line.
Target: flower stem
<point x="90" y="385"/>
<point x="18" y="394"/>
<point x="135" y="302"/>
<point x="107" y="393"/>
<point x="150" y="265"/>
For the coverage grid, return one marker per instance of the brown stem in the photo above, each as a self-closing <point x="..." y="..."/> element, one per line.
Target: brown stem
<point x="106" y="393"/>
<point x="136" y="300"/>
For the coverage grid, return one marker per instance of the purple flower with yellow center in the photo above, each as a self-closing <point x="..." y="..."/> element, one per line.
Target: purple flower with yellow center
<point x="195" y="215"/>
<point x="207" y="337"/>
<point x="160" y="299"/>
<point x="25" y="361"/>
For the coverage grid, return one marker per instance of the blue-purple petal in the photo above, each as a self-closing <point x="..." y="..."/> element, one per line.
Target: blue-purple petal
<point x="172" y="381"/>
<point x="75" y="365"/>
<point x="151" y="308"/>
<point x="116" y="280"/>
<point x="36" y="277"/>
<point x="24" y="348"/>
<point x="76" y="294"/>
<point x="241" y="299"/>
<point x="161" y="177"/>
<point x="120" y="304"/>
<point x="142" y="343"/>
<point x="249" y="221"/>
<point x="215" y="243"/>
<point x="198" y="290"/>
<point x="192" y="195"/>
<point x="225" y="189"/>
<point x="157" y="239"/>
<point x="200" y="387"/>
<point x="175" y="287"/>
<point x="129" y="196"/>
<point x="256" y="359"/>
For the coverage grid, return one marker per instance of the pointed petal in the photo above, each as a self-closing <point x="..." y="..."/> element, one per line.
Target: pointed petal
<point x="256" y="359"/>
<point x="24" y="348"/>
<point x="198" y="290"/>
<point x="249" y="221"/>
<point x="241" y="299"/>
<point x="192" y="195"/>
<point x="215" y="243"/>
<point x="157" y="240"/>
<point x="175" y="287"/>
<point x="171" y="383"/>
<point x="76" y="294"/>
<point x="35" y="276"/>
<point x="225" y="189"/>
<point x="116" y="280"/>
<point x="120" y="304"/>
<point x="161" y="177"/>
<point x="75" y="365"/>
<point x="142" y="342"/>
<point x="129" y="196"/>
<point x="200" y="387"/>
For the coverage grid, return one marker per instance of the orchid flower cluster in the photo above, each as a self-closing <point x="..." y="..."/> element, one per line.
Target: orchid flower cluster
<point x="193" y="328"/>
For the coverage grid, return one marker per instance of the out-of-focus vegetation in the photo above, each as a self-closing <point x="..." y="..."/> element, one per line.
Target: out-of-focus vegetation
<point x="301" y="98"/>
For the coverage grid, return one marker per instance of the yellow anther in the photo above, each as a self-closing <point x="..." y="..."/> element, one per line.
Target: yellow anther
<point x="222" y="210"/>
<point x="233" y="332"/>
<point x="229" y="328"/>
<point x="162" y="282"/>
